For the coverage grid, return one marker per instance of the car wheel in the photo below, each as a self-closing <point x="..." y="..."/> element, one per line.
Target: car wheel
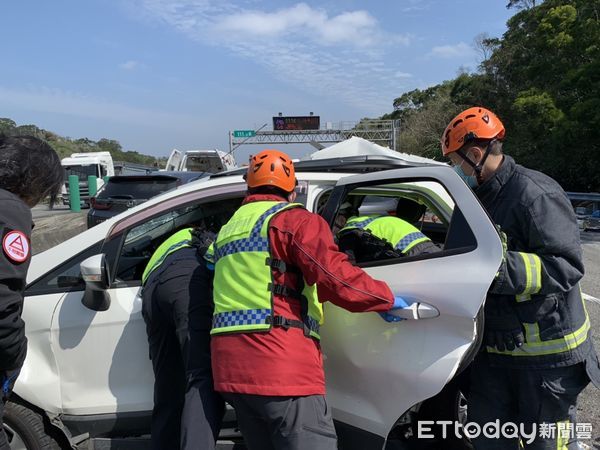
<point x="25" y="429"/>
<point x="448" y="405"/>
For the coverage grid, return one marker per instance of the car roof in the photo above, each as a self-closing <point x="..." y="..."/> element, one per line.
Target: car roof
<point x="350" y="164"/>
<point x="184" y="176"/>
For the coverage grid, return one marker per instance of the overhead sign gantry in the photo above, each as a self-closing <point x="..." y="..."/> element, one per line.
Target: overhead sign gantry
<point x="307" y="129"/>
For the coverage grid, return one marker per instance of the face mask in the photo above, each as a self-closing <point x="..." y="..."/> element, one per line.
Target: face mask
<point x="470" y="180"/>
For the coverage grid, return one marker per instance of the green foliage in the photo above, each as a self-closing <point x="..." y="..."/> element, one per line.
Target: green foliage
<point x="542" y="78"/>
<point x="65" y="146"/>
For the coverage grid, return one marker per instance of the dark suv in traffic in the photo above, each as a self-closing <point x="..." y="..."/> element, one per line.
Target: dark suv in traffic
<point x="123" y="192"/>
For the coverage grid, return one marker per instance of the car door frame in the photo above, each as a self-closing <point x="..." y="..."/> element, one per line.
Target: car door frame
<point x="362" y="398"/>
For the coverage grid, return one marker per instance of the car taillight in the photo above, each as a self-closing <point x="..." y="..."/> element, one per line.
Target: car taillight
<point x="99" y="205"/>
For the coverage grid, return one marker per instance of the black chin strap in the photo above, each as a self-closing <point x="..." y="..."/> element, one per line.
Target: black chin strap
<point x="477" y="167"/>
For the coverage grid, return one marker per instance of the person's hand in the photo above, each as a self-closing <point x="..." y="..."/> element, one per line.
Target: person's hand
<point x="503" y="329"/>
<point x="389" y="316"/>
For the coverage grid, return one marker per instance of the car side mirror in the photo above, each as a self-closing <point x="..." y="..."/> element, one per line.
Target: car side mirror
<point x="95" y="273"/>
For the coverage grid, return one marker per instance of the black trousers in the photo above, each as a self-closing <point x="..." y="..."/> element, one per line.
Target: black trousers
<point x="284" y="423"/>
<point x="546" y="398"/>
<point x="177" y="309"/>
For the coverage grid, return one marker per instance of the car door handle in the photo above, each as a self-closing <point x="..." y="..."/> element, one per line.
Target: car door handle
<point x="417" y="311"/>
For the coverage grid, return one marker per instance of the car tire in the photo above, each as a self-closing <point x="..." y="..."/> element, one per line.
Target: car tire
<point x="448" y="405"/>
<point x="25" y="429"/>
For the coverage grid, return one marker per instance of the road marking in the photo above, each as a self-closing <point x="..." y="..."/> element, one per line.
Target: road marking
<point x="589" y="298"/>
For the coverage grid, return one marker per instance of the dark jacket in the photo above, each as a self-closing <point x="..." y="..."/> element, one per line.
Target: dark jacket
<point x="15" y="255"/>
<point x="539" y="278"/>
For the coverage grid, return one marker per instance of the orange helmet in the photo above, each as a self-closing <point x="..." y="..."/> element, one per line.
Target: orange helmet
<point x="271" y="168"/>
<point x="472" y="123"/>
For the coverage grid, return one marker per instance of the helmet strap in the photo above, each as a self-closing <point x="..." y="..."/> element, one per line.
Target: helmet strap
<point x="478" y="168"/>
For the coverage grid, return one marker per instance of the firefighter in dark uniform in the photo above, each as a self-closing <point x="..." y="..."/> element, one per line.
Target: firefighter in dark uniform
<point x="30" y="170"/>
<point x="538" y="354"/>
<point x="177" y="308"/>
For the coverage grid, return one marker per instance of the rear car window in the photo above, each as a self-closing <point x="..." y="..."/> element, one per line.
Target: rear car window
<point x="137" y="187"/>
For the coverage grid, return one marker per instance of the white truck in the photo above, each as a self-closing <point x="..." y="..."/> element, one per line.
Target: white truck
<point x="212" y="161"/>
<point x="99" y="164"/>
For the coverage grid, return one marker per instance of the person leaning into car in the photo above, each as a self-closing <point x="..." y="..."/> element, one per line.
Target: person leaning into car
<point x="538" y="353"/>
<point x="370" y="237"/>
<point x="177" y="309"/>
<point x="271" y="259"/>
<point x="30" y="171"/>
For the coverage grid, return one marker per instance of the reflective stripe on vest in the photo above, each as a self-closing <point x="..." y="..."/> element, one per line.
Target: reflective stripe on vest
<point x="537" y="347"/>
<point x="242" y="297"/>
<point x="179" y="240"/>
<point x="400" y="234"/>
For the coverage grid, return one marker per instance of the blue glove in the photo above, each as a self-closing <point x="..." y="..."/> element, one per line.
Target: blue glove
<point x="399" y="303"/>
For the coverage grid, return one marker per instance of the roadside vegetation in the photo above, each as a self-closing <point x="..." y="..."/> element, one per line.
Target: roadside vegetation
<point x="542" y="77"/>
<point x="65" y="146"/>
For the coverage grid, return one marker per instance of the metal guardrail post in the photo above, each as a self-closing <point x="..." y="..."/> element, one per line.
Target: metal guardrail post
<point x="92" y="185"/>
<point x="74" y="198"/>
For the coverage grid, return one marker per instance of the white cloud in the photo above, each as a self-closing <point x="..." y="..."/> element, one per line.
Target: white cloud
<point x="460" y="50"/>
<point x="341" y="56"/>
<point x="129" y="65"/>
<point x="403" y="75"/>
<point x="356" y="28"/>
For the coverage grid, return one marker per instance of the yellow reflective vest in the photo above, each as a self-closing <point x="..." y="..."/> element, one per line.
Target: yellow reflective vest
<point x="179" y="240"/>
<point x="400" y="234"/>
<point x="243" y="283"/>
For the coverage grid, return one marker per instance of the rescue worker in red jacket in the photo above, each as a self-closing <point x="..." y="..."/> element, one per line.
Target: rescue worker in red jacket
<point x="273" y="261"/>
<point x="30" y="171"/>
<point x="538" y="353"/>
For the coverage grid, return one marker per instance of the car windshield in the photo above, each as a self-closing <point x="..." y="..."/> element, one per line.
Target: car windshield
<point x="81" y="171"/>
<point x="136" y="187"/>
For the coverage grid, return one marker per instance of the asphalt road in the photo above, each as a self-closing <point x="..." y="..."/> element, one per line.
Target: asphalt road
<point x="589" y="400"/>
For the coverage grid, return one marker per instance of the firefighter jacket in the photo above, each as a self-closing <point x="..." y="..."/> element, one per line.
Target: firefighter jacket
<point x="539" y="276"/>
<point x="243" y="284"/>
<point x="15" y="232"/>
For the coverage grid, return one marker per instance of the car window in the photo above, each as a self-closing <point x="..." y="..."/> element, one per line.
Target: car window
<point x="136" y="188"/>
<point x="429" y="224"/>
<point x="66" y="277"/>
<point x="143" y="239"/>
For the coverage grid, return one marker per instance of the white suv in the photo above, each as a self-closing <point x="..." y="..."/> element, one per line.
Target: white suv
<point x="87" y="380"/>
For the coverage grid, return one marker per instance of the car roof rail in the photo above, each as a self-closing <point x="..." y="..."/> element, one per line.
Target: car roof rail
<point x="347" y="164"/>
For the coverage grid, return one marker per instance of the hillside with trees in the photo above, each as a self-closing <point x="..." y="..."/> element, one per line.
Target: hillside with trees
<point x="542" y="77"/>
<point x="65" y="146"/>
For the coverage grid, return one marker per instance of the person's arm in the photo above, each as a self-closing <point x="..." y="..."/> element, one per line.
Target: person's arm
<point x="311" y="248"/>
<point x="15" y="217"/>
<point x="553" y="262"/>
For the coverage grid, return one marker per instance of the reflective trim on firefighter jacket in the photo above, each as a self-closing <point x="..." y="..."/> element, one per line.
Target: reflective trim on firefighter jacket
<point x="181" y="239"/>
<point x="243" y="283"/>
<point x="539" y="276"/>
<point x="400" y="234"/>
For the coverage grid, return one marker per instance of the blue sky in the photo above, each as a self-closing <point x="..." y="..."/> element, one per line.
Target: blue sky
<point x="159" y="74"/>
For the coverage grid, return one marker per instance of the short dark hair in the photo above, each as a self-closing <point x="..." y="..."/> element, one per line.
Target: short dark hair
<point x="269" y="190"/>
<point x="29" y="168"/>
<point x="495" y="149"/>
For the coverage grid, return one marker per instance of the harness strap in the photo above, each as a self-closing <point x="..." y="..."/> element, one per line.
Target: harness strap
<point x="285" y="291"/>
<point x="281" y="266"/>
<point x="284" y="322"/>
